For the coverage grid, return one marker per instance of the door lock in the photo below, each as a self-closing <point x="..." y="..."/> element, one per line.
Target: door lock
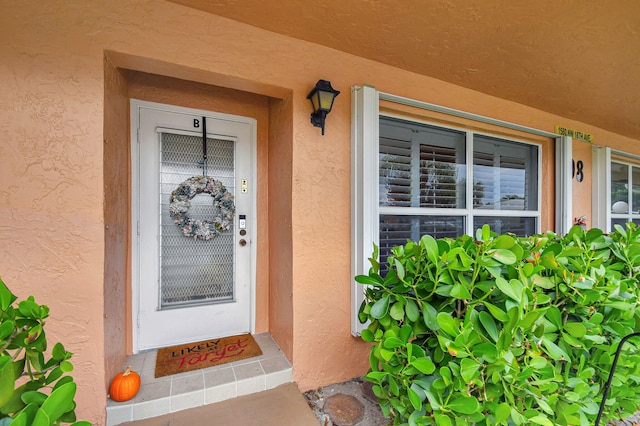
<point x="242" y="242"/>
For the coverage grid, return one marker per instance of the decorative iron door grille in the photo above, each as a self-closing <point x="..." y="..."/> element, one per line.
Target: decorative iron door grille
<point x="194" y="272"/>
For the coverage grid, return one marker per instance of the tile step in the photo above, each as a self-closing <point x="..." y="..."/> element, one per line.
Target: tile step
<point x="163" y="395"/>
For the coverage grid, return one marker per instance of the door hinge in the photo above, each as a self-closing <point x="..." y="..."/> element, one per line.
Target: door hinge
<point x="138" y="228"/>
<point x="138" y="135"/>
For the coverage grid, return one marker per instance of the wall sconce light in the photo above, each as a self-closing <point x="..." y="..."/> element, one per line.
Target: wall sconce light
<point x="321" y="97"/>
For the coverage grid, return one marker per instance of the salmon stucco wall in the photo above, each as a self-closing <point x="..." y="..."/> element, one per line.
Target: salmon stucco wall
<point x="117" y="218"/>
<point x="52" y="168"/>
<point x="281" y="314"/>
<point x="581" y="197"/>
<point x="51" y="174"/>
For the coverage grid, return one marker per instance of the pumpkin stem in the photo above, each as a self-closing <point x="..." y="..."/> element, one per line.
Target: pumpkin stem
<point x="127" y="371"/>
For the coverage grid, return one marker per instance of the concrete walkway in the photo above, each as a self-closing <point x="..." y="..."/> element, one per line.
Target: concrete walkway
<point x="282" y="406"/>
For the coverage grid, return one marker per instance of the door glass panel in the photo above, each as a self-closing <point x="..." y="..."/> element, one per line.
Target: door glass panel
<point x="194" y="271"/>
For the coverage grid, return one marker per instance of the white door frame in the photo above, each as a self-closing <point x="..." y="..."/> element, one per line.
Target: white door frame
<point x="135" y="106"/>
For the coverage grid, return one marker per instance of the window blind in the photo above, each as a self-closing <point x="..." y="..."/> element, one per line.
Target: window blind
<point x="421" y="166"/>
<point x="502" y="175"/>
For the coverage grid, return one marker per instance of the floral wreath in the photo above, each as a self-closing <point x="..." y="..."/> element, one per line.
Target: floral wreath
<point x="180" y="202"/>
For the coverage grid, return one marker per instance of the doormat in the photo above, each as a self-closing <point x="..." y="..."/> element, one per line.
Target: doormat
<point x="192" y="356"/>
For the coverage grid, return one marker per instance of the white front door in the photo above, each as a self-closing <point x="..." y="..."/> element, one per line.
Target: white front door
<point x="187" y="288"/>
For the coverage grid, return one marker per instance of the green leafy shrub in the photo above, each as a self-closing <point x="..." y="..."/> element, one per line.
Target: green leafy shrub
<point x="501" y="330"/>
<point x="25" y="370"/>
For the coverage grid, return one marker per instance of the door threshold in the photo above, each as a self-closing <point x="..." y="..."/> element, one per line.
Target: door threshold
<point x="168" y="394"/>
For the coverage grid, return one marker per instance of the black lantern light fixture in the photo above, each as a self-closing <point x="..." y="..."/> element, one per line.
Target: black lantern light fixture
<point x="321" y="98"/>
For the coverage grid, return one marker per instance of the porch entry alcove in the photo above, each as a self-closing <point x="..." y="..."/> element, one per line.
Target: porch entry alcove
<point x="187" y="289"/>
<point x="238" y="112"/>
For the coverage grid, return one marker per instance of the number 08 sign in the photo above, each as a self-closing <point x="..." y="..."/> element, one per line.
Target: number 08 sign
<point x="577" y="170"/>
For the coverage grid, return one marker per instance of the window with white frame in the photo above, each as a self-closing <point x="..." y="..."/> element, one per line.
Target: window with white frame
<point x="625" y="193"/>
<point x="446" y="182"/>
<point x="412" y="177"/>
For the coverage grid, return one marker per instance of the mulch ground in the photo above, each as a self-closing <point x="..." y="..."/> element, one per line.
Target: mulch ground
<point x="360" y="389"/>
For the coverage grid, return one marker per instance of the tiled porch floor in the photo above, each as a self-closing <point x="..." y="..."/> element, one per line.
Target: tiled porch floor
<point x="162" y="395"/>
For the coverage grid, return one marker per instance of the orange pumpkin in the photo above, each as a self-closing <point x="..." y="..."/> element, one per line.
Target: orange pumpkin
<point x="125" y="385"/>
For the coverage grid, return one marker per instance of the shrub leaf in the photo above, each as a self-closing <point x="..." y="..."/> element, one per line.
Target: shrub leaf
<point x="380" y="308"/>
<point x="464" y="405"/>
